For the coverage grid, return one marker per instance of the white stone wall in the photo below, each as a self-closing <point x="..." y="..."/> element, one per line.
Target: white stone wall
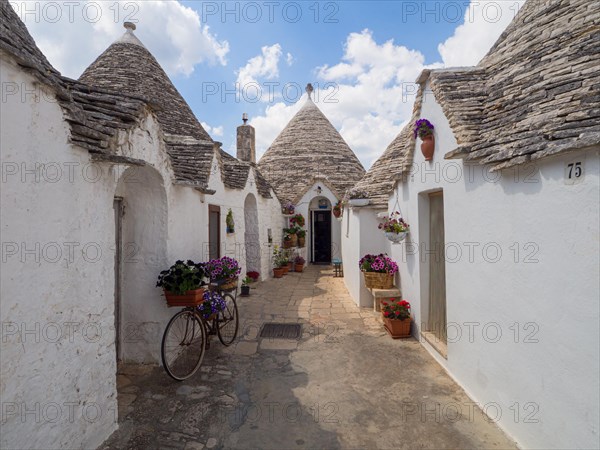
<point x="57" y="364"/>
<point x="360" y="236"/>
<point x="522" y="287"/>
<point x="269" y="217"/>
<point x="57" y="308"/>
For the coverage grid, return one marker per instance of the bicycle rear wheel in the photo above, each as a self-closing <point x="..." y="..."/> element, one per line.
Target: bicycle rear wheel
<point x="183" y="345"/>
<point x="228" y="321"/>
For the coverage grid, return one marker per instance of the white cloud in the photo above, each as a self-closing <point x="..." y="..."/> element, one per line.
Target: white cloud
<point x="289" y="59"/>
<point x="363" y="96"/>
<point x="213" y="131"/>
<point x="483" y="24"/>
<point x="265" y="66"/>
<point x="73" y="34"/>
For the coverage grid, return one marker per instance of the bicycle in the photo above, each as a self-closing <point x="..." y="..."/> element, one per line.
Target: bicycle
<point x="187" y="335"/>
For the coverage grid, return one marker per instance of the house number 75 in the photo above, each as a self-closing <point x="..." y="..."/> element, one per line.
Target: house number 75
<point x="574" y="172"/>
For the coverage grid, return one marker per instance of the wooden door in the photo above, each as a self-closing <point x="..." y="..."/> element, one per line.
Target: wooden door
<point x="437" y="267"/>
<point x="214" y="231"/>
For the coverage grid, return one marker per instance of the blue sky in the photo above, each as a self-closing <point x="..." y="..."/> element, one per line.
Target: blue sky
<point x="361" y="56"/>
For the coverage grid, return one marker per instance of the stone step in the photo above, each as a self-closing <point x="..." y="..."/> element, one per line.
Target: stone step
<point x="380" y="295"/>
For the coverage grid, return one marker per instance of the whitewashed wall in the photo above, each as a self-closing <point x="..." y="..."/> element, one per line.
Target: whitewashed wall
<point x="57" y="362"/>
<point x="522" y="287"/>
<point x="269" y="217"/>
<point x="360" y="236"/>
<point x="57" y="308"/>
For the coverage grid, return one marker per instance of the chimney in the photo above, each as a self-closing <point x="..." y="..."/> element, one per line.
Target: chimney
<point x="246" y="150"/>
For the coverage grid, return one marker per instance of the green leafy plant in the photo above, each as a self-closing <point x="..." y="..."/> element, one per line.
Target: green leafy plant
<point x="230" y="222"/>
<point x="301" y="233"/>
<point x="246" y="281"/>
<point x="182" y="277"/>
<point x="297" y="221"/>
<point x="279" y="257"/>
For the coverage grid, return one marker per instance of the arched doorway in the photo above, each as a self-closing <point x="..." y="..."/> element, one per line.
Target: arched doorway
<point x="251" y="234"/>
<point x="141" y="244"/>
<point x="320" y="230"/>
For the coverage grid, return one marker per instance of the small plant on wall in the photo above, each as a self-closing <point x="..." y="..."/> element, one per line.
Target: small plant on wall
<point x="288" y="208"/>
<point x="230" y="222"/>
<point x="338" y="209"/>
<point x="424" y="129"/>
<point x="297" y="220"/>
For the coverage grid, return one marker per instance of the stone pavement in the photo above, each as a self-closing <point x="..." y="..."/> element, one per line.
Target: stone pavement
<point x="345" y="384"/>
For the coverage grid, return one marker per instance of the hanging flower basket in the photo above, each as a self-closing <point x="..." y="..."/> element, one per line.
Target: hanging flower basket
<point x="190" y="298"/>
<point x="396" y="238"/>
<point x="375" y="280"/>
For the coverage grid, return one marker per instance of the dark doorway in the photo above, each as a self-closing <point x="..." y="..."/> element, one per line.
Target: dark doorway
<point x="321" y="236"/>
<point x="214" y="231"/>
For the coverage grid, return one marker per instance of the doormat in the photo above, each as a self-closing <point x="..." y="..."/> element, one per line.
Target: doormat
<point x="281" y="330"/>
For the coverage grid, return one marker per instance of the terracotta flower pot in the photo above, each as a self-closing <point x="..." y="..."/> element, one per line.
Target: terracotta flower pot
<point x="337" y="213"/>
<point x="397" y="328"/>
<point x="428" y="146"/>
<point x="190" y="298"/>
<point x="285" y="269"/>
<point x="299" y="267"/>
<point x="278" y="272"/>
<point x="301" y="242"/>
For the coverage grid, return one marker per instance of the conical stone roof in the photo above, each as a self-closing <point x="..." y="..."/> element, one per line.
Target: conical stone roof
<point x="127" y="66"/>
<point x="309" y="149"/>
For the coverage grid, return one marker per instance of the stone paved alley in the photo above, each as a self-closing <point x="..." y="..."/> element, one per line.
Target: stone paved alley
<point x="344" y="385"/>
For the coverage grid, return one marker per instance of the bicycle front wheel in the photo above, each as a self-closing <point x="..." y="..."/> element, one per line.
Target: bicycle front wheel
<point x="228" y="321"/>
<point x="183" y="345"/>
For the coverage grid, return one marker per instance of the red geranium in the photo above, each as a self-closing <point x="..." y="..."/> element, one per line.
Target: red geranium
<point x="399" y="310"/>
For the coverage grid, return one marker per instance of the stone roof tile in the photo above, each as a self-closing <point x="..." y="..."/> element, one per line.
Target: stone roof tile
<point x="308" y="147"/>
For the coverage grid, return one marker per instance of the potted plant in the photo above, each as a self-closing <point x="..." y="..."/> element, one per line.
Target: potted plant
<point x="301" y="238"/>
<point x="378" y="270"/>
<point x="253" y="275"/>
<point x="288" y="208"/>
<point x="246" y="286"/>
<point x="299" y="262"/>
<point x="424" y="129"/>
<point x="338" y="210"/>
<point x="183" y="283"/>
<point x="224" y="272"/>
<point x="229" y="222"/>
<point x="357" y="197"/>
<point x="297" y="221"/>
<point x="285" y="261"/>
<point x="212" y="304"/>
<point x="277" y="262"/>
<point x="290" y="239"/>
<point x="396" y="318"/>
<point x="395" y="227"/>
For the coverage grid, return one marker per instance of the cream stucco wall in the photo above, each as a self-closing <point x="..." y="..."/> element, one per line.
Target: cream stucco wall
<point x="522" y="295"/>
